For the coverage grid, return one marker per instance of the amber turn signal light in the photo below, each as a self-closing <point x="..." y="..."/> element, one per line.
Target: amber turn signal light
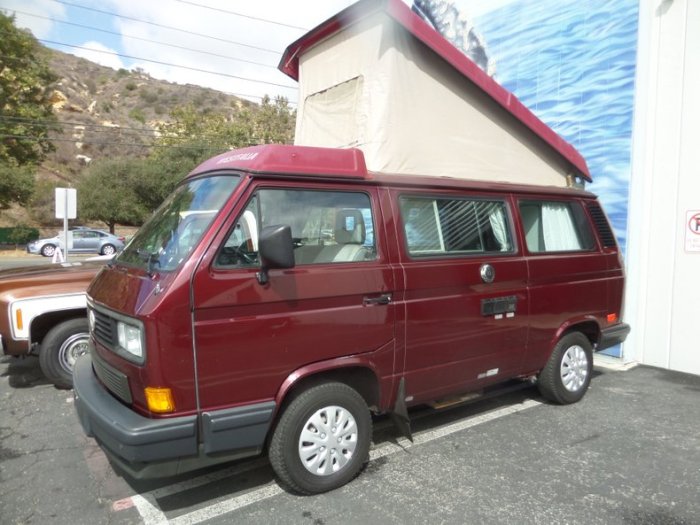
<point x="160" y="400"/>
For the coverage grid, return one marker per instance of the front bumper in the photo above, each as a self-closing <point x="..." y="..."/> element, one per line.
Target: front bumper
<point x="147" y="448"/>
<point x="613" y="335"/>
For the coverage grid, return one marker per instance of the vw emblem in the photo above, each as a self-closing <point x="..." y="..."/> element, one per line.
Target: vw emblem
<point x="487" y="272"/>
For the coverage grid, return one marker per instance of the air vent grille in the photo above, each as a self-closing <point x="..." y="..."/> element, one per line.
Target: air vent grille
<point x="607" y="237"/>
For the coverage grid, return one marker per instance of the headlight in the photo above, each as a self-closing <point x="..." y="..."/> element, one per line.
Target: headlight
<point x="129" y="338"/>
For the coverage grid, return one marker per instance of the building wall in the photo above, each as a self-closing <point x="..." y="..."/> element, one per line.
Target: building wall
<point x="573" y="64"/>
<point x="663" y="293"/>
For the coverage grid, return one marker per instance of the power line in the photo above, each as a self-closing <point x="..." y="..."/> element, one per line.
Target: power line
<point x="230" y="93"/>
<point x="100" y="127"/>
<point x="167" y="44"/>
<point x="140" y="132"/>
<point x="266" y="20"/>
<point x="218" y="73"/>
<point x="109" y="13"/>
<point x="222" y="146"/>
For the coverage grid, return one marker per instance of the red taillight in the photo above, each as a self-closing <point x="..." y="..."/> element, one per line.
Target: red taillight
<point x="612" y="318"/>
<point x="122" y="239"/>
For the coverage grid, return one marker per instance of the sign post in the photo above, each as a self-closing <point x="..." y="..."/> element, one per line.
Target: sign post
<point x="66" y="208"/>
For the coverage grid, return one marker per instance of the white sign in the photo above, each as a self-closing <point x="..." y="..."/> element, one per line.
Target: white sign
<point x="692" y="231"/>
<point x="66" y="199"/>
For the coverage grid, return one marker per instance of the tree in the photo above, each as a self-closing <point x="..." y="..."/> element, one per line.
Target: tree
<point x="16" y="184"/>
<point x="273" y="121"/>
<point x="107" y="193"/>
<point x="125" y="191"/>
<point x="26" y="115"/>
<point x="165" y="168"/>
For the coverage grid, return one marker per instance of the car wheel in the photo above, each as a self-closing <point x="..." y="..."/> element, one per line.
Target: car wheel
<point x="322" y="439"/>
<point x="108" y="249"/>
<point x="48" y="250"/>
<point x="60" y="349"/>
<point x="567" y="374"/>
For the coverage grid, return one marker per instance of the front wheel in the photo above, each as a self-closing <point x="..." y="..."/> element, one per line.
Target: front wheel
<point x="61" y="347"/>
<point x="567" y="374"/>
<point x="108" y="249"/>
<point x="322" y="439"/>
<point x="48" y="250"/>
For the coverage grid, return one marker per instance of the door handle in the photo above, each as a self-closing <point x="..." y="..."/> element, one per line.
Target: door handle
<point x="381" y="299"/>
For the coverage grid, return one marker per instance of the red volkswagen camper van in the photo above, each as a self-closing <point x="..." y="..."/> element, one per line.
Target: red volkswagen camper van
<point x="282" y="294"/>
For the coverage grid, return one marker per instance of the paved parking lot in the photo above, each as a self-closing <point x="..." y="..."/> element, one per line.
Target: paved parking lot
<point x="629" y="453"/>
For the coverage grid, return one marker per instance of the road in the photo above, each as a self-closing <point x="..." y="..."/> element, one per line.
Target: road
<point x="628" y="453"/>
<point x="10" y="259"/>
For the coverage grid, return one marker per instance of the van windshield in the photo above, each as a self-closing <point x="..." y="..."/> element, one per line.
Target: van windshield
<point x="175" y="228"/>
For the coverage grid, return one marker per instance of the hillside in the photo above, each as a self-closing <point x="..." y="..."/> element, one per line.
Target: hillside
<point x="104" y="113"/>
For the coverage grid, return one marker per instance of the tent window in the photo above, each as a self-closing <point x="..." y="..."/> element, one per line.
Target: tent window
<point x="330" y="116"/>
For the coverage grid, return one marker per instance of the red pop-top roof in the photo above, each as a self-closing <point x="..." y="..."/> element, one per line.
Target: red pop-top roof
<point x="410" y="21"/>
<point x="290" y="160"/>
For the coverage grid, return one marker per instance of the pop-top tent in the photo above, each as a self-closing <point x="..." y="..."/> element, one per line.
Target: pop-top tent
<point x="377" y="77"/>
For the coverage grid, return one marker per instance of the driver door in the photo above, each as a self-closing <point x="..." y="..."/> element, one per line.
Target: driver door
<point x="251" y="337"/>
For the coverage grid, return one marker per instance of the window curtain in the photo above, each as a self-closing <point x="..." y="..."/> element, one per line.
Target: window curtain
<point x="558" y="228"/>
<point x="498" y="225"/>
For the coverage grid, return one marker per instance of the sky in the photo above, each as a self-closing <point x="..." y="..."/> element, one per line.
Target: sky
<point x="217" y="41"/>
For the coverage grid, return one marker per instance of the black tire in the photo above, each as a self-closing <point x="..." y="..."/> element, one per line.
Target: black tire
<point x="47" y="250"/>
<point x="567" y="374"/>
<point x="59" y="349"/>
<point x="314" y="403"/>
<point x="108" y="249"/>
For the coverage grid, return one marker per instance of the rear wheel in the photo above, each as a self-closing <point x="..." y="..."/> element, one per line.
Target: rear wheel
<point x="48" y="250"/>
<point x="322" y="439"/>
<point x="60" y="349"/>
<point x="567" y="374"/>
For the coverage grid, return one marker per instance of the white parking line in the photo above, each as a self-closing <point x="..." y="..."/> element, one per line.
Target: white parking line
<point x="152" y="515"/>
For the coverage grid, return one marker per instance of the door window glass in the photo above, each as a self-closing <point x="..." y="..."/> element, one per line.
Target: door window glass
<point x="555" y="227"/>
<point x="454" y="226"/>
<point x="327" y="227"/>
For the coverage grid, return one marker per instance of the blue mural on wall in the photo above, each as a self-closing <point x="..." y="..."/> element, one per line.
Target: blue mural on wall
<point x="573" y="64"/>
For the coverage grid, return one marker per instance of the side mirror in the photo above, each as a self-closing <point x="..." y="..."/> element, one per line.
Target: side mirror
<point x="275" y="249"/>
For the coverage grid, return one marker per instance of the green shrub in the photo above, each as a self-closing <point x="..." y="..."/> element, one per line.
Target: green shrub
<point x="148" y="96"/>
<point x="18" y="235"/>
<point x="137" y="114"/>
<point x="131" y="86"/>
<point x="91" y="86"/>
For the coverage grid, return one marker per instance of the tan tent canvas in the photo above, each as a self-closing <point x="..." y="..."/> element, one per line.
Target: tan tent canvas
<point x="378" y="78"/>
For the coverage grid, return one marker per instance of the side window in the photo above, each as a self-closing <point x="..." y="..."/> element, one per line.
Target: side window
<point x="552" y="226"/>
<point x="436" y="226"/>
<point x="241" y="246"/>
<point x="327" y="227"/>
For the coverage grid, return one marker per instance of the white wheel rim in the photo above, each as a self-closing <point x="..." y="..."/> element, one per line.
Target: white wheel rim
<point x="71" y="349"/>
<point x="328" y="440"/>
<point x="574" y="368"/>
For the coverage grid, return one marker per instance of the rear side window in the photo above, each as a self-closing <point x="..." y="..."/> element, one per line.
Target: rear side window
<point x="327" y="227"/>
<point x="554" y="226"/>
<point x="454" y="226"/>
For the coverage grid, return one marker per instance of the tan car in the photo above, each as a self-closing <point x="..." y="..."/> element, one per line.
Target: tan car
<point x="43" y="311"/>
